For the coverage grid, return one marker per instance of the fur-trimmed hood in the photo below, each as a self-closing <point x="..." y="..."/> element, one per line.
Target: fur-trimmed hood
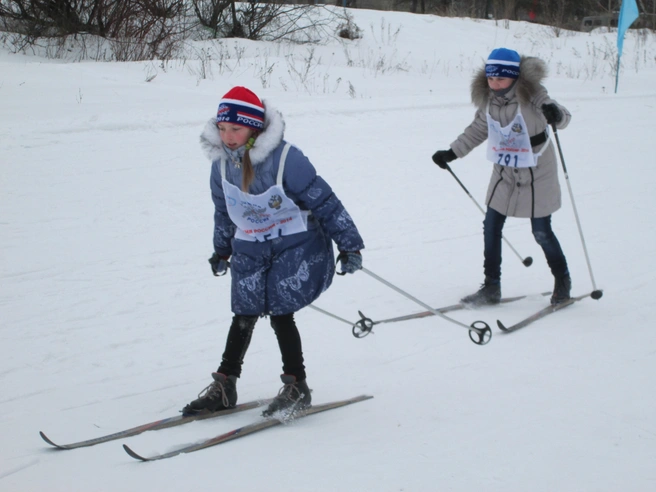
<point x="532" y="71"/>
<point x="266" y="142"/>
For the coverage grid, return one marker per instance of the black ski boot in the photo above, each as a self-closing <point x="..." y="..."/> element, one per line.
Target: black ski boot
<point x="488" y="294"/>
<point x="562" y="288"/>
<point x="293" y="397"/>
<point x="219" y="395"/>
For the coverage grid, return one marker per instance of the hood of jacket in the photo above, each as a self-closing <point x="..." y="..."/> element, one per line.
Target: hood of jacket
<point x="265" y="143"/>
<point x="532" y="71"/>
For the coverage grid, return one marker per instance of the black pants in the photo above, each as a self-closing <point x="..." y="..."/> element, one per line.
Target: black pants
<point x="239" y="338"/>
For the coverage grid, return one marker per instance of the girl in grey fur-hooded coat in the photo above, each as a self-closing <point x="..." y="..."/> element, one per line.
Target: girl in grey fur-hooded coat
<point x="518" y="192"/>
<point x="513" y="114"/>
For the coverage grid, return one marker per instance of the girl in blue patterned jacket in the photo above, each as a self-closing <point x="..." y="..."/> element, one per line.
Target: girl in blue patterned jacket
<point x="275" y="219"/>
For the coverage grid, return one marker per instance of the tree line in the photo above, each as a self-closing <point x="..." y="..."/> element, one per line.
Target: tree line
<point x="153" y="28"/>
<point x="559" y="13"/>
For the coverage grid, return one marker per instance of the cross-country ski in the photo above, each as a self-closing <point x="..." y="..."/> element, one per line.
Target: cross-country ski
<point x="246" y="430"/>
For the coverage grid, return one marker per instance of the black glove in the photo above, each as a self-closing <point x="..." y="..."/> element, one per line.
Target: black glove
<point x="552" y="113"/>
<point x="443" y="157"/>
<point x="351" y="261"/>
<point x="219" y="264"/>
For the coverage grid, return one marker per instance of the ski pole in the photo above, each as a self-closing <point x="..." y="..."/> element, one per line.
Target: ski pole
<point x="528" y="261"/>
<point x="334" y="316"/>
<point x="596" y="293"/>
<point x="483" y="333"/>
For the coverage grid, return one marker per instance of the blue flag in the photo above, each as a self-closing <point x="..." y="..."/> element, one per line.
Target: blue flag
<point x="628" y="14"/>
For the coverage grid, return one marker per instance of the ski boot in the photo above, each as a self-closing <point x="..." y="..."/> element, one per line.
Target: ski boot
<point x="219" y="395"/>
<point x="562" y="288"/>
<point x="487" y="295"/>
<point x="293" y="397"/>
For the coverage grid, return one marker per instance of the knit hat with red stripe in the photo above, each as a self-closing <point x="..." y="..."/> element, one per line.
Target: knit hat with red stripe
<point x="240" y="106"/>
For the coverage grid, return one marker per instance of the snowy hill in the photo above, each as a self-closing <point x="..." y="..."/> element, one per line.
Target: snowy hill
<point x="111" y="317"/>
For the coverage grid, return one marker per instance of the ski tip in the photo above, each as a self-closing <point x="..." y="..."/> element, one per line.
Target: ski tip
<point x="133" y="454"/>
<point x="47" y="439"/>
<point x="501" y="326"/>
<point x="360" y="398"/>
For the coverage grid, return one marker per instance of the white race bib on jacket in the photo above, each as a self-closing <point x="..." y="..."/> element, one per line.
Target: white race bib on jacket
<point x="510" y="145"/>
<point x="267" y="215"/>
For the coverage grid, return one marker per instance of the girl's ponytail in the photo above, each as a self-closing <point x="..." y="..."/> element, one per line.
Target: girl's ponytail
<point x="247" y="171"/>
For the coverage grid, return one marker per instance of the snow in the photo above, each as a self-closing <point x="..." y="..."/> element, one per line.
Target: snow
<point x="111" y="317"/>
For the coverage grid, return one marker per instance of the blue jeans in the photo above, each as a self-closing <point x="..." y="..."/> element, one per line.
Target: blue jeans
<point x="543" y="234"/>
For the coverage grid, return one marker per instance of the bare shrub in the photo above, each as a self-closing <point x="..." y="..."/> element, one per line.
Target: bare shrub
<point x="211" y="14"/>
<point x="348" y="29"/>
<point x="271" y="21"/>
<point x="136" y="29"/>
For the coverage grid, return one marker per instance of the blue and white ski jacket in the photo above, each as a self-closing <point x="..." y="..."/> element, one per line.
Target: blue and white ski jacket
<point x="283" y="274"/>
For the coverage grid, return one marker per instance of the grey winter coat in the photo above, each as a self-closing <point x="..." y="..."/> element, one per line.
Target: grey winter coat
<point x="284" y="274"/>
<point x="517" y="192"/>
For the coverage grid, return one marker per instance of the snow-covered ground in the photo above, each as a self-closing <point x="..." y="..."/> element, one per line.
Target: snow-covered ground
<point x="111" y="318"/>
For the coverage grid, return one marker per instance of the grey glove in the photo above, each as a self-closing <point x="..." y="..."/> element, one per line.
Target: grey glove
<point x="351" y="261"/>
